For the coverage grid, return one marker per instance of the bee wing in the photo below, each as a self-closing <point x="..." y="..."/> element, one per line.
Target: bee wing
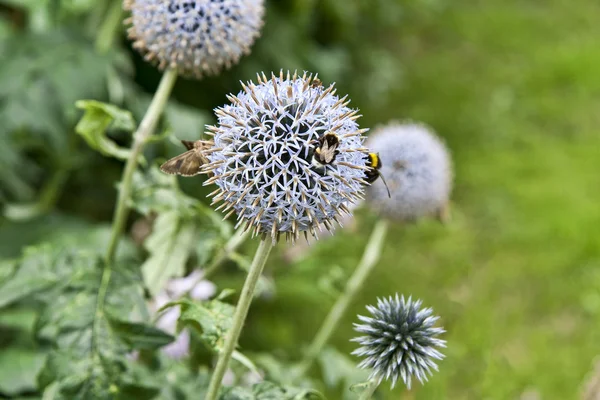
<point x="329" y="152"/>
<point x="186" y="164"/>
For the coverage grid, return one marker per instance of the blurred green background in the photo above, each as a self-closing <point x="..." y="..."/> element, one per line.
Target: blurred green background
<point x="512" y="86"/>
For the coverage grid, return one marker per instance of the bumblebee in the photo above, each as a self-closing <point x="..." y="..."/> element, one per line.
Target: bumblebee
<point x="190" y="162"/>
<point x="374" y="164"/>
<point x="316" y="82"/>
<point x="325" y="151"/>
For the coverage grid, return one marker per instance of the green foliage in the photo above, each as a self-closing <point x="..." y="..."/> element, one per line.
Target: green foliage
<point x="269" y="391"/>
<point x="511" y="86"/>
<point x="89" y="345"/>
<point x="182" y="226"/>
<point x="212" y="318"/>
<point x="37" y="97"/>
<point x="95" y="122"/>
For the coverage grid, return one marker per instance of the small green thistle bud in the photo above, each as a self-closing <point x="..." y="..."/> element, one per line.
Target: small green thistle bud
<point x="400" y="341"/>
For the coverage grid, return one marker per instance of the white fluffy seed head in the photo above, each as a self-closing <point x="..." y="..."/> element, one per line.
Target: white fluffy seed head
<point x="196" y="37"/>
<point x="417" y="168"/>
<point x="400" y="341"/>
<point x="262" y="161"/>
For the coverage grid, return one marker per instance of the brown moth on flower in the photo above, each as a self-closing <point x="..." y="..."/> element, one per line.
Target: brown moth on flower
<point x="266" y="171"/>
<point x="190" y="162"/>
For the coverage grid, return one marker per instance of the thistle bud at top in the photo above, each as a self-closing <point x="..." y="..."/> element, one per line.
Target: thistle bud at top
<point x="400" y="341"/>
<point x="267" y="144"/>
<point x="417" y="169"/>
<point x="195" y="37"/>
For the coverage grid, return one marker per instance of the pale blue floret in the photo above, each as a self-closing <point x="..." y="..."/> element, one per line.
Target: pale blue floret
<point x="400" y="341"/>
<point x="265" y="142"/>
<point x="195" y="36"/>
<point x="417" y="169"/>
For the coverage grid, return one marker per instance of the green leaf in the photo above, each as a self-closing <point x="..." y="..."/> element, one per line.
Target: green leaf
<point x="40" y="269"/>
<point x="270" y="391"/>
<point x="138" y="335"/>
<point x="340" y="370"/>
<point x="89" y="345"/>
<point x="169" y="245"/>
<point x="19" y="368"/>
<point x="37" y="97"/>
<point x="95" y="122"/>
<point x="212" y="319"/>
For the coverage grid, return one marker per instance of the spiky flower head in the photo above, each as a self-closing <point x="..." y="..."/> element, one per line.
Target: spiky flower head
<point x="263" y="157"/>
<point x="196" y="37"/>
<point x="400" y="341"/>
<point x="417" y="169"/>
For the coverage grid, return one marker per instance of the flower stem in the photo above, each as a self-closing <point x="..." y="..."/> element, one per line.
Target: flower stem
<point x="241" y="311"/>
<point x="368" y="392"/>
<point x="369" y="260"/>
<point x="231" y="246"/>
<point x="140" y="137"/>
<point x="139" y="140"/>
<point x="109" y="28"/>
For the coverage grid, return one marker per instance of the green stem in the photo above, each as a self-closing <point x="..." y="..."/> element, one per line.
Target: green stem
<point x="140" y="137"/>
<point x="109" y="28"/>
<point x="368" y="392"/>
<point x="369" y="260"/>
<point x="231" y="246"/>
<point x="241" y="311"/>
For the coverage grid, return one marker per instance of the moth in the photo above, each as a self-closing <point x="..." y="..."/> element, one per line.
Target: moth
<point x="190" y="162"/>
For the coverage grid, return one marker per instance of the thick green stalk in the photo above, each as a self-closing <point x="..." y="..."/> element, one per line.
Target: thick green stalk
<point x="369" y="260"/>
<point x="140" y="137"/>
<point x="241" y="311"/>
<point x="368" y="392"/>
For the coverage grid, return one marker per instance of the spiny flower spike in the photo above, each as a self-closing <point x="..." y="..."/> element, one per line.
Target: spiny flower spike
<point x="266" y="170"/>
<point x="400" y="341"/>
<point x="195" y="37"/>
<point x="418" y="171"/>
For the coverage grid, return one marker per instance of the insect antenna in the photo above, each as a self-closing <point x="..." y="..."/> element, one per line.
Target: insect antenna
<point x="385" y="183"/>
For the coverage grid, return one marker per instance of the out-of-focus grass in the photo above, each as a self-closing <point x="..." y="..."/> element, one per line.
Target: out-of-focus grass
<point x="514" y="87"/>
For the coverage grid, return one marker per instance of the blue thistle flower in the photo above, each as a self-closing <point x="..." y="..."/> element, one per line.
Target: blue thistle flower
<point x="195" y="37"/>
<point x="400" y="341"/>
<point x="263" y="156"/>
<point x="417" y="169"/>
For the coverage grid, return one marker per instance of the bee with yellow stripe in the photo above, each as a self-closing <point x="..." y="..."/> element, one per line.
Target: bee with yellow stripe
<point x="325" y="151"/>
<point x="374" y="164"/>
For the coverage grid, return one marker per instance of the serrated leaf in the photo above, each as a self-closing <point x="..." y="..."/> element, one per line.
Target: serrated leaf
<point x="169" y="245"/>
<point x="40" y="268"/>
<point x="90" y="344"/>
<point x="270" y="391"/>
<point x="138" y="335"/>
<point x="95" y="122"/>
<point x="212" y="319"/>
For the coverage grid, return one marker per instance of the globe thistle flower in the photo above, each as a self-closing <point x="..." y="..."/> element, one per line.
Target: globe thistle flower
<point x="195" y="37"/>
<point x="400" y="341"/>
<point x="417" y="169"/>
<point x="263" y="161"/>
